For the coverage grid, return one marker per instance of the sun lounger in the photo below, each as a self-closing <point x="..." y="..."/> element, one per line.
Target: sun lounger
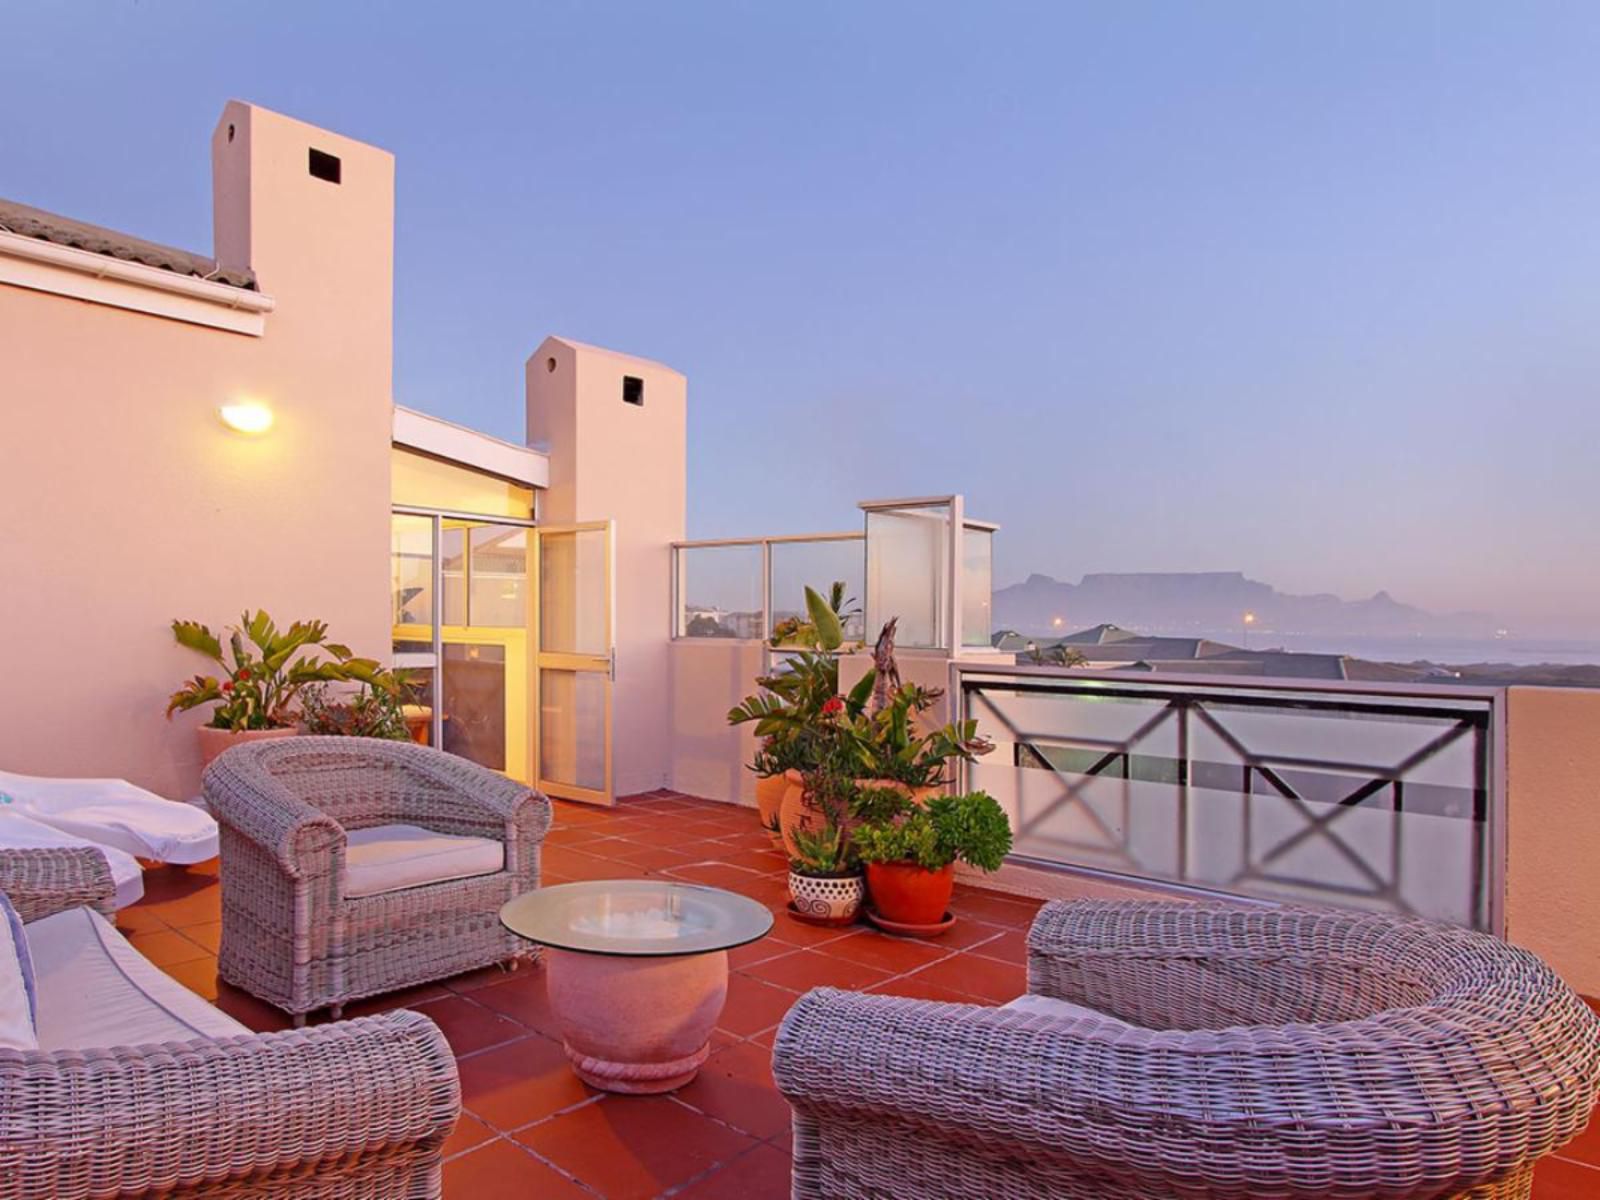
<point x="114" y="813"/>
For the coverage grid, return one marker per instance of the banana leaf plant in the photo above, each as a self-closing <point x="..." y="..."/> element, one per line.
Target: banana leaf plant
<point x="823" y="623"/>
<point x="268" y="668"/>
<point x="789" y="706"/>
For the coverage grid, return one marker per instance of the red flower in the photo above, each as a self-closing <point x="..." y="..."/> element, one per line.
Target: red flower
<point x="833" y="707"/>
<point x="244" y="672"/>
<point x="227" y="685"/>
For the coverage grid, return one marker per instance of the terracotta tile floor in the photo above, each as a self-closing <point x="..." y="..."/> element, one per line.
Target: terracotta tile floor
<point x="531" y="1129"/>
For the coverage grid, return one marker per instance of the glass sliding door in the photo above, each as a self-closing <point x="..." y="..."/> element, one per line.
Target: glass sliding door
<point x="462" y="607"/>
<point x="484" y="635"/>
<point x="413" y="584"/>
<point x="574" y="661"/>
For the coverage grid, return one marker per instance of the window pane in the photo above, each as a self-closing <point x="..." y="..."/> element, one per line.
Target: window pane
<point x="906" y="572"/>
<point x="417" y="703"/>
<point x="719" y="592"/>
<point x="411" y="571"/>
<point x="475" y="703"/>
<point x="498" y="571"/>
<point x="572" y="728"/>
<point x="818" y="565"/>
<point x="424" y="482"/>
<point x="573" y="598"/>
<point x="977" y="586"/>
<point x="453" y="561"/>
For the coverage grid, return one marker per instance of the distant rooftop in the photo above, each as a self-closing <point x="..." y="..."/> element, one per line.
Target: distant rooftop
<point x="1107" y="644"/>
<point x="26" y="221"/>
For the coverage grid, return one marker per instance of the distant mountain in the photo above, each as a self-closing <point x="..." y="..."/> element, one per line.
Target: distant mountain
<point x="1213" y="602"/>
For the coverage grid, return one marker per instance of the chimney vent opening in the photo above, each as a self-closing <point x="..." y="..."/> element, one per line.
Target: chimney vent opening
<point x="325" y="166"/>
<point x="633" y="390"/>
<point x="550" y="364"/>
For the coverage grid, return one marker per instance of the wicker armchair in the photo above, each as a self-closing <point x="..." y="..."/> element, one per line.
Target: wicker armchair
<point x="357" y="1109"/>
<point x="1251" y="1052"/>
<point x="291" y="935"/>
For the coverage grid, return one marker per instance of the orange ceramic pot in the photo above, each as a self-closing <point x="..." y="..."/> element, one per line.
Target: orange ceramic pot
<point x="909" y="895"/>
<point x="798" y="813"/>
<point x="770" y="791"/>
<point x="214" y="741"/>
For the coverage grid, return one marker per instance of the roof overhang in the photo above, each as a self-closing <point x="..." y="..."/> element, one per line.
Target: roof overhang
<point x="100" y="279"/>
<point x="478" y="451"/>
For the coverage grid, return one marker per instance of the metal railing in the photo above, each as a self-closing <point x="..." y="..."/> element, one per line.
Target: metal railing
<point x="1358" y="795"/>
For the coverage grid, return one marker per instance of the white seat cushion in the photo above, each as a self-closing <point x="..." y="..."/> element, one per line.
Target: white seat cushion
<point x="386" y="858"/>
<point x="1062" y="1010"/>
<point x="17" y="990"/>
<point x="18" y="831"/>
<point x="96" y="990"/>
<point x="115" y="813"/>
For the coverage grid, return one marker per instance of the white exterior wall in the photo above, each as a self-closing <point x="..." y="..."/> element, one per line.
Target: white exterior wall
<point x="610" y="460"/>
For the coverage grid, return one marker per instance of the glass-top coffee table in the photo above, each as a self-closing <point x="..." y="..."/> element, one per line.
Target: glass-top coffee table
<point x="637" y="972"/>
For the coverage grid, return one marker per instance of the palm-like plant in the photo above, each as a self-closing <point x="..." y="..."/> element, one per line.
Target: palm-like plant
<point x="889" y="745"/>
<point x="269" y="668"/>
<point x="791" y="700"/>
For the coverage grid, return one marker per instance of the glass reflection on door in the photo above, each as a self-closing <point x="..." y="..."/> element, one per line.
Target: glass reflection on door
<point x="469" y="654"/>
<point x="574" y="661"/>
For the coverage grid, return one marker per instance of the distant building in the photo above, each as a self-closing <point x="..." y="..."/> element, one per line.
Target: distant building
<point x="1108" y="647"/>
<point x="1010" y="641"/>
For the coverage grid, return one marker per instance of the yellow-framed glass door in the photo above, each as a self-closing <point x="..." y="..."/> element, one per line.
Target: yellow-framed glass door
<point x="463" y="609"/>
<point x="574" y="658"/>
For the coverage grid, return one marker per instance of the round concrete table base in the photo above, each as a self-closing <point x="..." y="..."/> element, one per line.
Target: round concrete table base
<point x="636" y="1023"/>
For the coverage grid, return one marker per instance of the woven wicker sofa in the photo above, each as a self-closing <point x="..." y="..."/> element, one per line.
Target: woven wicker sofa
<point x="355" y="1109"/>
<point x="353" y="867"/>
<point x="1241" y="1052"/>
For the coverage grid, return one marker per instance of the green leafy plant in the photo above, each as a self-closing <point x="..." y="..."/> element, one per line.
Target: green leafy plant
<point x="824" y="621"/>
<point x="826" y="853"/>
<point x="891" y="747"/>
<point x="269" y="668"/>
<point x="879" y="805"/>
<point x="972" y="828"/>
<point x="777" y="756"/>
<point x="789" y="706"/>
<point x="376" y="709"/>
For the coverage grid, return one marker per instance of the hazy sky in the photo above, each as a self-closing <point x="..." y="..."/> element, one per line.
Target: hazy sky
<point x="1310" y="291"/>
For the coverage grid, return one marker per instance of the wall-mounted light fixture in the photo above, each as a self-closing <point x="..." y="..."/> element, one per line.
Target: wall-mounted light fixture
<point x="248" y="416"/>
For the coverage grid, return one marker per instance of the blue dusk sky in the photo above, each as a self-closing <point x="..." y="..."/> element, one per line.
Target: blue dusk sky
<point x="1304" y="290"/>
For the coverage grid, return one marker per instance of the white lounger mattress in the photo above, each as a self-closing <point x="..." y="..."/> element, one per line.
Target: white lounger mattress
<point x="19" y="831"/>
<point x="114" y="813"/>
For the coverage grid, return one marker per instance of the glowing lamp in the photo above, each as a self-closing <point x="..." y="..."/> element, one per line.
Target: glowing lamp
<point x="249" y="416"/>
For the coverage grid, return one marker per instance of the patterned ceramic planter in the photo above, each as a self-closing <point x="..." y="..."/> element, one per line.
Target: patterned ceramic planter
<point x="826" y="900"/>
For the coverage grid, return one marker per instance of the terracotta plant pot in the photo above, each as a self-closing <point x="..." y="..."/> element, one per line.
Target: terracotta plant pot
<point x="909" y="895"/>
<point x="639" y="1025"/>
<point x="214" y="741"/>
<point x="798" y="813"/>
<point x="770" y="791"/>
<point x="826" y="899"/>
